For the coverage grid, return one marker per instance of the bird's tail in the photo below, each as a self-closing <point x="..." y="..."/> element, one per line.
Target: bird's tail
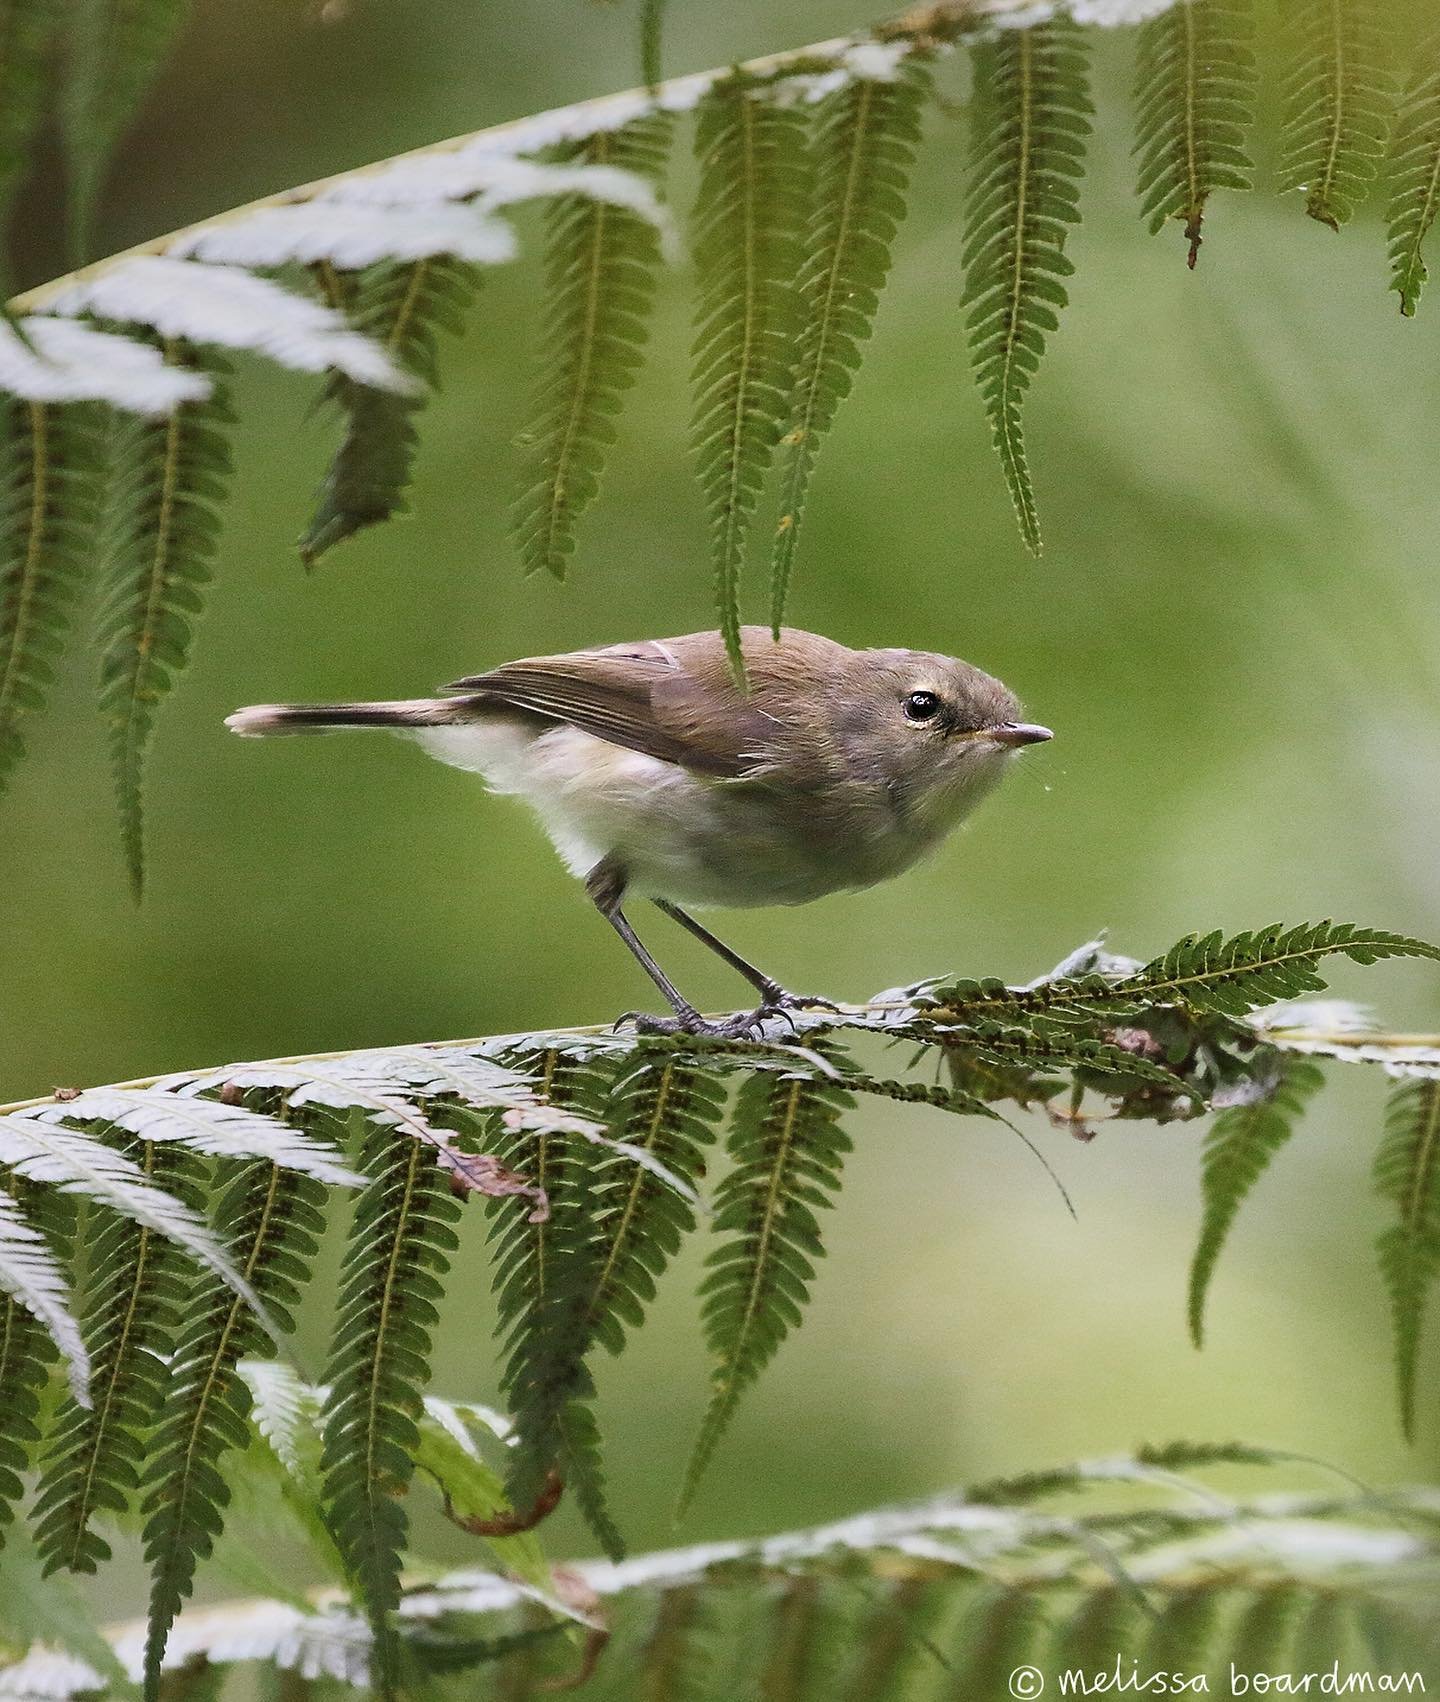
<point x="262" y="719"/>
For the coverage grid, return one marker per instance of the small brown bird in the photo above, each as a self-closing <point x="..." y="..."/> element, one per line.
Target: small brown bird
<point x="655" y="775"/>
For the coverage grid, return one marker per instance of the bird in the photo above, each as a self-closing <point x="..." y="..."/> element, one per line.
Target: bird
<point x="659" y="774"/>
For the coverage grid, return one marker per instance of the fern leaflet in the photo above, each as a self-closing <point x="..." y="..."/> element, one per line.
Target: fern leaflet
<point x="1195" y="98"/>
<point x="47" y="507"/>
<point x="1238" y="1149"/>
<point x="272" y="1220"/>
<point x="1338" y="96"/>
<point x="398" y="1252"/>
<point x="787" y="1147"/>
<point x="1414" y="177"/>
<point x="600" y="285"/>
<point x="1407" y="1172"/>
<point x="1023" y="198"/>
<point x="167" y="479"/>
<point x="864" y="148"/>
<point x="115" y="49"/>
<point x="137" y="1285"/>
<point x="403" y="307"/>
<point x="752" y="198"/>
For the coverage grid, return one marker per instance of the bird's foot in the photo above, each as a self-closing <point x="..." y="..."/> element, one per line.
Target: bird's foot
<point x="747" y="1025"/>
<point x="773" y="997"/>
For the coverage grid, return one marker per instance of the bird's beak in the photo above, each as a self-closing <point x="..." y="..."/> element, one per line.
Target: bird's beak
<point x="1019" y="733"/>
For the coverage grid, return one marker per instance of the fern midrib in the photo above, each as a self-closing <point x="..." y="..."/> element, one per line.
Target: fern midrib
<point x="598" y="217"/>
<point x="767" y="1227"/>
<point x="183" y="1480"/>
<point x="751" y="326"/>
<point x="1127" y="990"/>
<point x="632" y="1199"/>
<point x="1025" y="164"/>
<point x="1321" y="197"/>
<point x="405" y="312"/>
<point x="381" y="1342"/>
<point x="1195" y="200"/>
<point x="864" y="98"/>
<point x="98" y="1424"/>
<point x="34" y="551"/>
<point x="158" y="580"/>
<point x="1413" y="1206"/>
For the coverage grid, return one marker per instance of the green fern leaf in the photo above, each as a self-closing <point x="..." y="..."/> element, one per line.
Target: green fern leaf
<point x="1338" y="97"/>
<point x="167" y="479"/>
<point x="27" y="30"/>
<point x="397" y="1254"/>
<point x="787" y="1148"/>
<point x="1195" y="95"/>
<point x="547" y="1276"/>
<point x="669" y="1110"/>
<point x="1002" y="1631"/>
<point x="1414" y="177"/>
<point x="1407" y="1172"/>
<point x="752" y="200"/>
<point x="47" y="510"/>
<point x="1187" y="1631"/>
<point x="1105" y="1622"/>
<point x="272" y="1220"/>
<point x="27" y="1348"/>
<point x="1023" y="199"/>
<point x="115" y="49"/>
<point x="601" y="262"/>
<point x="137" y="1284"/>
<point x="403" y="307"/>
<point x="864" y="148"/>
<point x="1238" y="1150"/>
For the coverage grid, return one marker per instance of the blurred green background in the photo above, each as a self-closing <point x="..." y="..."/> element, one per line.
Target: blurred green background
<point x="1234" y="632"/>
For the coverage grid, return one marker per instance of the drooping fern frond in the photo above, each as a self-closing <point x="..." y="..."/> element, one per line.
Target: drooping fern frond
<point x="864" y="146"/>
<point x="114" y="49"/>
<point x="1028" y="155"/>
<point x="404" y="308"/>
<point x="1238" y="1149"/>
<point x="167" y="480"/>
<point x="47" y="507"/>
<point x="1413" y="176"/>
<point x="396" y="1257"/>
<point x="1195" y="98"/>
<point x="137" y="1284"/>
<point x="272" y="1220"/>
<point x="752" y="200"/>
<point x="1407" y="1172"/>
<point x="1338" y="97"/>
<point x="787" y="1147"/>
<point x="600" y="269"/>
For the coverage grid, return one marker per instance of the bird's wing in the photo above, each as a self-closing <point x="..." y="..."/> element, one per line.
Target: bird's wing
<point x="672" y="699"/>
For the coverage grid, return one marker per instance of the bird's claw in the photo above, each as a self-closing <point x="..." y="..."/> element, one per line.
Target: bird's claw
<point x="748" y="1025"/>
<point x="778" y="1000"/>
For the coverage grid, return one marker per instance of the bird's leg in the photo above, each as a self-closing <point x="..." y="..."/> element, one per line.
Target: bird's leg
<point x="773" y="996"/>
<point x="606" y="886"/>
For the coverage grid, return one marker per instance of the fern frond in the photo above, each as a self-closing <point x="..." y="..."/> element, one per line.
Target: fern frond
<point x="1413" y="176"/>
<point x="137" y="1284"/>
<point x="1195" y="99"/>
<point x="546" y="1270"/>
<point x="1407" y="1172"/>
<point x="600" y="268"/>
<point x="787" y="1148"/>
<point x="27" y="1347"/>
<point x="1022" y="200"/>
<point x="47" y="507"/>
<point x="115" y="49"/>
<point x="1338" y="97"/>
<point x="864" y="147"/>
<point x="167" y="479"/>
<point x="398" y="1250"/>
<point x="31" y="1277"/>
<point x="272" y="1220"/>
<point x="1002" y="1631"/>
<point x="27" y="30"/>
<point x="404" y="308"/>
<point x="1238" y="1149"/>
<point x="751" y="201"/>
<point x="669" y="1111"/>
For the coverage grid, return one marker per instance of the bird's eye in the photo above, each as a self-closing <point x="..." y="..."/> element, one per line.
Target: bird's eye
<point x="922" y="706"/>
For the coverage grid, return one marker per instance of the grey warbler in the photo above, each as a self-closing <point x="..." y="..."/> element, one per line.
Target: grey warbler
<point x="655" y="775"/>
